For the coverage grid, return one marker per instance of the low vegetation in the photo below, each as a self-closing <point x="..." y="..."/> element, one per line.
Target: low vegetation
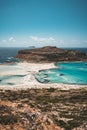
<point x="43" y="109"/>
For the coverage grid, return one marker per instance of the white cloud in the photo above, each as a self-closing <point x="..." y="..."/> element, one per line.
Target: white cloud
<point x="4" y="41"/>
<point x="61" y="42"/>
<point x="78" y="41"/>
<point x="11" y="39"/>
<point x="74" y="41"/>
<point x="43" y="40"/>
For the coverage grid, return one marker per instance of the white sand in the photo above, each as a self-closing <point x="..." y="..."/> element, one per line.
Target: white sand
<point x="29" y="81"/>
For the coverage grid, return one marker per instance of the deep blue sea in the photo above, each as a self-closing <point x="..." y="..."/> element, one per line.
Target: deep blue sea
<point x="68" y="73"/>
<point x="8" y="54"/>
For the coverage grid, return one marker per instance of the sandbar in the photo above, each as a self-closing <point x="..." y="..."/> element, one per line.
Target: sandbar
<point x="29" y="81"/>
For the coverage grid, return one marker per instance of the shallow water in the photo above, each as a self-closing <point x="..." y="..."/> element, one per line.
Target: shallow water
<point x="68" y="73"/>
<point x="10" y="75"/>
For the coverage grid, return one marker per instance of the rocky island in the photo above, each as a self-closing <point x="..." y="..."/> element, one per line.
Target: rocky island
<point x="51" y="54"/>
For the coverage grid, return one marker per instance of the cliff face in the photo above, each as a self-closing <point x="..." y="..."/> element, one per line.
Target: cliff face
<point x="50" y="54"/>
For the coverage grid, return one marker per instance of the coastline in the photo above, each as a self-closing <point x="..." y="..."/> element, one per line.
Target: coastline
<point x="29" y="81"/>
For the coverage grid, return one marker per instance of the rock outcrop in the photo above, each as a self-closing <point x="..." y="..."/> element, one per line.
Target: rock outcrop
<point x="51" y="54"/>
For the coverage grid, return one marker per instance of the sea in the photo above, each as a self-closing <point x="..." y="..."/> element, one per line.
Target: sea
<point x="7" y="54"/>
<point x="67" y="73"/>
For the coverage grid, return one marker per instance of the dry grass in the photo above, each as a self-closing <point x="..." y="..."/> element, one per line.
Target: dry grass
<point x="43" y="109"/>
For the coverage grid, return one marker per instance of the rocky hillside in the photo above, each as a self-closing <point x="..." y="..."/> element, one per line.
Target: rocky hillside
<point x="43" y="109"/>
<point x="51" y="54"/>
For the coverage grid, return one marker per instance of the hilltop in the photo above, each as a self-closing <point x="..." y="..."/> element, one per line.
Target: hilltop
<point x="51" y="54"/>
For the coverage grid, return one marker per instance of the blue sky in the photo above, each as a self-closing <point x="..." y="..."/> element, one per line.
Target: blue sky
<point x="43" y="22"/>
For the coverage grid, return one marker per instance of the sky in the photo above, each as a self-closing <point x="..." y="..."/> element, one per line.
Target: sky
<point x="61" y="23"/>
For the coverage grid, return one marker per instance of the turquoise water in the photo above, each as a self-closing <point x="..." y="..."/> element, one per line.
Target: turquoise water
<point x="10" y="80"/>
<point x="68" y="73"/>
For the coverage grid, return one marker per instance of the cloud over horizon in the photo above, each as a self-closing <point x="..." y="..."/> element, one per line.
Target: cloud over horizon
<point x="42" y="40"/>
<point x="9" y="40"/>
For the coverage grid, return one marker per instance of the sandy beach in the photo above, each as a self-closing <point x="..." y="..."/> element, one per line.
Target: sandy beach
<point x="29" y="81"/>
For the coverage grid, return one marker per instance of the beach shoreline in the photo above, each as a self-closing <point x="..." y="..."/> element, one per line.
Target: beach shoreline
<point x="29" y="81"/>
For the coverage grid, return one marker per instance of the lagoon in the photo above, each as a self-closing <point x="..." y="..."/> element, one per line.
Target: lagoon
<point x="66" y="72"/>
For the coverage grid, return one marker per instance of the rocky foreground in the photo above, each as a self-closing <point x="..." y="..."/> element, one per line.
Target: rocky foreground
<point x="43" y="109"/>
<point x="51" y="54"/>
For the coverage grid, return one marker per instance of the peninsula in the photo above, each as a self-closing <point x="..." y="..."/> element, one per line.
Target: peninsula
<point x="51" y="54"/>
